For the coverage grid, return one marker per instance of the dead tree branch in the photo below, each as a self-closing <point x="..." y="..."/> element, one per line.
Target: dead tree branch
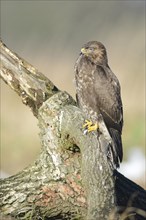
<point x="71" y="178"/>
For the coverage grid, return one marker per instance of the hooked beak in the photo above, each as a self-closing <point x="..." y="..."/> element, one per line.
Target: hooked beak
<point x="84" y="51"/>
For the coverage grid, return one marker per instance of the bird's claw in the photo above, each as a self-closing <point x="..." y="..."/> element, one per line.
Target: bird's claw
<point x="89" y="126"/>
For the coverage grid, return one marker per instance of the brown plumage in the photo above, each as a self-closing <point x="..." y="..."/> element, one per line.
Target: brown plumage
<point x="98" y="92"/>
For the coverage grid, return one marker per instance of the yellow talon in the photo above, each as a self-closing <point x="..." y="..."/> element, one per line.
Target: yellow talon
<point x="87" y="124"/>
<point x="90" y="126"/>
<point x="93" y="127"/>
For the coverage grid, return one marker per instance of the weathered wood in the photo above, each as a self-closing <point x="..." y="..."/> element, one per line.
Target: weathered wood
<point x="72" y="178"/>
<point x="31" y="85"/>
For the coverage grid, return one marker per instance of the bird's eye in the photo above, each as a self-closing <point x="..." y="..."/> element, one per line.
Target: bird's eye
<point x="91" y="48"/>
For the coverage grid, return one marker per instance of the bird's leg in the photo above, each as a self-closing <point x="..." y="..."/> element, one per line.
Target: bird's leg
<point x="90" y="126"/>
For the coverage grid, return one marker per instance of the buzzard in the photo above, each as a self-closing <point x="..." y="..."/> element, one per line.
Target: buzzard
<point x="98" y="93"/>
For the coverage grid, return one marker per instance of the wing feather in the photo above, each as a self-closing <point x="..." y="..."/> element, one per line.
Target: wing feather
<point x="108" y="100"/>
<point x="108" y="97"/>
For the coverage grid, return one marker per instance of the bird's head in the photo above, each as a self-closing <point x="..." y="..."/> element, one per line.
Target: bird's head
<point x="95" y="51"/>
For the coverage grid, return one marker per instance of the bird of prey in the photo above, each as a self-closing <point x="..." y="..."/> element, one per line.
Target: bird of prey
<point x="98" y="93"/>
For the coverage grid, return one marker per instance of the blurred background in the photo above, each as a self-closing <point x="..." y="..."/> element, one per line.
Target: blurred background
<point x="49" y="35"/>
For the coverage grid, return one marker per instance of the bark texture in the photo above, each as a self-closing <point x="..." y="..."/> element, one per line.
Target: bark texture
<point x="71" y="178"/>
